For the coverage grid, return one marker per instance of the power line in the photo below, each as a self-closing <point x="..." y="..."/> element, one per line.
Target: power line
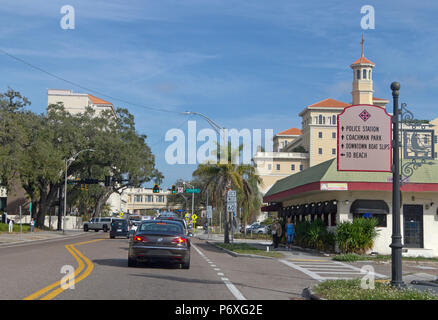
<point x="85" y="88"/>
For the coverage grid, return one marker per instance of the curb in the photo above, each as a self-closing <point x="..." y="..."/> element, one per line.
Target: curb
<point x="234" y="254"/>
<point x="311" y="295"/>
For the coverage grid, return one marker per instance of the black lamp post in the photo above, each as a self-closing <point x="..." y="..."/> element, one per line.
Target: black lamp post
<point x="396" y="245"/>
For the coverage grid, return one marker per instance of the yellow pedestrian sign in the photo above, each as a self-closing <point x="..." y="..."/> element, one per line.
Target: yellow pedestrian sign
<point x="194" y="217"/>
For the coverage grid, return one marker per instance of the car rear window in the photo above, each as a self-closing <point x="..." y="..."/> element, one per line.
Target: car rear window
<point x="119" y="223"/>
<point x="161" y="227"/>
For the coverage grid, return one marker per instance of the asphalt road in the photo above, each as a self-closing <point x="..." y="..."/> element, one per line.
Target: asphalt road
<point x="34" y="271"/>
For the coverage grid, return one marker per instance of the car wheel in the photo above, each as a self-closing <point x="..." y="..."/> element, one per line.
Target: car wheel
<point x="132" y="262"/>
<point x="85" y="228"/>
<point x="112" y="237"/>
<point x="96" y="230"/>
<point x="185" y="265"/>
<point x="105" y="229"/>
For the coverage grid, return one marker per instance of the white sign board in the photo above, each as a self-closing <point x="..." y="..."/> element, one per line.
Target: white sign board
<point x="209" y="212"/>
<point x="231" y="193"/>
<point x="364" y="139"/>
<point x="231" y="207"/>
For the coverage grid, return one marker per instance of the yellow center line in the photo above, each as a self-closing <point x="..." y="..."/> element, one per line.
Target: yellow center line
<point x="75" y="253"/>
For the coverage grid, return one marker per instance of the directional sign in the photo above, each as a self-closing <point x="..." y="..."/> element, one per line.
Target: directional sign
<point x="231" y="193"/>
<point x="364" y="139"/>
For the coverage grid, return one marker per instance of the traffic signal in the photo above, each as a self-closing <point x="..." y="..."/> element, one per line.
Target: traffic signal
<point x="107" y="181"/>
<point x="173" y="189"/>
<point x="156" y="189"/>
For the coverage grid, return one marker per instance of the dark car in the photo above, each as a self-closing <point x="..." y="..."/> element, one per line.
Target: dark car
<point x="160" y="240"/>
<point x="119" y="228"/>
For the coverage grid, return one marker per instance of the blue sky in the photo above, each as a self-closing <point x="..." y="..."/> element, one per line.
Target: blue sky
<point x="244" y="63"/>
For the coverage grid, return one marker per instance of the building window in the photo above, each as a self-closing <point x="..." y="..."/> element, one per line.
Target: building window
<point x="137" y="198"/>
<point x="320" y="119"/>
<point x="381" y="218"/>
<point x="319" y="150"/>
<point x="333" y="119"/>
<point x="358" y="74"/>
<point x="269" y="166"/>
<point x="160" y="198"/>
<point x="278" y="167"/>
<point x="320" y="134"/>
<point x="292" y="167"/>
<point x="301" y="167"/>
<point x="333" y="151"/>
<point x="369" y="74"/>
<point x="150" y="199"/>
<point x="334" y="135"/>
<point x="285" y="143"/>
<point x="364" y="73"/>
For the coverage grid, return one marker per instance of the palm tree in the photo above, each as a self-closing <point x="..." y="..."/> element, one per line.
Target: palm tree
<point x="221" y="177"/>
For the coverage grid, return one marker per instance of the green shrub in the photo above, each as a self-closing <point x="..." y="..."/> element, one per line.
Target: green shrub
<point x="314" y="235"/>
<point x="357" y="236"/>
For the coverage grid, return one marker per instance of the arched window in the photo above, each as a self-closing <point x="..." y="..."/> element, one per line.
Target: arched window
<point x="320" y="119"/>
<point x="358" y="74"/>
<point x="369" y="74"/>
<point x="364" y="74"/>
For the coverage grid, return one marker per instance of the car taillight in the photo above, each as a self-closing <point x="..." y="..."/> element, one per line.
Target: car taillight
<point x="179" y="240"/>
<point x="140" y="239"/>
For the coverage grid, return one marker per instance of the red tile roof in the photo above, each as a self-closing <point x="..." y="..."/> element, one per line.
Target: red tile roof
<point x="329" y="103"/>
<point x="362" y="60"/>
<point x="290" y="132"/>
<point x="374" y="98"/>
<point x="96" y="100"/>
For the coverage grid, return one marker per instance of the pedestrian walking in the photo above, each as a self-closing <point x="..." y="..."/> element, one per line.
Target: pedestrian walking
<point x="11" y="226"/>
<point x="32" y="224"/>
<point x="290" y="232"/>
<point x="276" y="233"/>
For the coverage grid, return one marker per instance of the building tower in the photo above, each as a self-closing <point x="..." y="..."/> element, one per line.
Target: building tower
<point x="362" y="79"/>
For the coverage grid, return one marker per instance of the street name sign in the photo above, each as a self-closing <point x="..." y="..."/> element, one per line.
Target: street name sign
<point x="364" y="139"/>
<point x="193" y="190"/>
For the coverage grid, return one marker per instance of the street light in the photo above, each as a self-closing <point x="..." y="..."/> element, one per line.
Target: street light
<point x="68" y="162"/>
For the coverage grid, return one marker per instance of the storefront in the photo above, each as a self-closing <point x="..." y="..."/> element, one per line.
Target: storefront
<point x="333" y="196"/>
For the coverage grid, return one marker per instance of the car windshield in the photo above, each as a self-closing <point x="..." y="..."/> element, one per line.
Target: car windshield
<point x="161" y="227"/>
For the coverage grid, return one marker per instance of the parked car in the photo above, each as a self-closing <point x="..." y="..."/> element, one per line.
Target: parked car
<point x="119" y="228"/>
<point x="251" y="227"/>
<point x="160" y="240"/>
<point x="97" y="224"/>
<point x="261" y="229"/>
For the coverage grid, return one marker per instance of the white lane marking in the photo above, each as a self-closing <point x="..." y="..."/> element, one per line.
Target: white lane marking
<point x="220" y="274"/>
<point x="318" y="270"/>
<point x="217" y="269"/>
<point x="233" y="289"/>
<point x="230" y="286"/>
<point x="213" y="265"/>
<point x="303" y="270"/>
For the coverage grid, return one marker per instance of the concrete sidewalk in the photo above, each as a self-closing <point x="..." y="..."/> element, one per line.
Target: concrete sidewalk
<point x="14" y="238"/>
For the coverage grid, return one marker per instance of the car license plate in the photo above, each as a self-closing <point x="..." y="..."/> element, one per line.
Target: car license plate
<point x="119" y="230"/>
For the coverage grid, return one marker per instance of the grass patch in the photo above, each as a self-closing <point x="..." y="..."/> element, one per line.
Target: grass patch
<point x="351" y="290"/>
<point x="16" y="228"/>
<point x="244" y="248"/>
<point x="351" y="257"/>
